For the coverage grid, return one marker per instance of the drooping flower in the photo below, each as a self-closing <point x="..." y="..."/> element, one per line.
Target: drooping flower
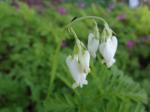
<point x="79" y="64"/>
<point x="93" y="44"/>
<point x="84" y="56"/>
<point x="84" y="59"/>
<point x="108" y="49"/>
<point x="78" y="75"/>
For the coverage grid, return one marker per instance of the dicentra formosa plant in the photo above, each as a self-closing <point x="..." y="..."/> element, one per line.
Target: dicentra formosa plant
<point x="78" y="63"/>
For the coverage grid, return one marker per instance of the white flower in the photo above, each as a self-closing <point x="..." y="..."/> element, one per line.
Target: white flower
<point x="93" y="44"/>
<point x="79" y="64"/>
<point x="77" y="73"/>
<point x="84" y="60"/>
<point x="108" y="50"/>
<point x="83" y="56"/>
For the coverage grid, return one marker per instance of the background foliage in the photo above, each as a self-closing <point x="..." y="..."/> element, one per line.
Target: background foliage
<point x="33" y="49"/>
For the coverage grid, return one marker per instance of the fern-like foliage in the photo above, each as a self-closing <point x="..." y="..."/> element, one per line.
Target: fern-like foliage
<point x="108" y="90"/>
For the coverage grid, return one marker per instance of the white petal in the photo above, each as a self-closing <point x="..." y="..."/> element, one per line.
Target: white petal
<point x="114" y="44"/>
<point x="81" y="82"/>
<point x="90" y="37"/>
<point x="75" y="85"/>
<point x="84" y="60"/>
<point x="110" y="63"/>
<point x="77" y="74"/>
<point x="73" y="66"/>
<point x="108" y="49"/>
<point x="93" y="44"/>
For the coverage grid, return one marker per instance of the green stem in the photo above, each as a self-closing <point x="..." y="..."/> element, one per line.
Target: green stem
<point x="76" y="38"/>
<point x="96" y="30"/>
<point x="74" y="33"/>
<point x="86" y="17"/>
<point x="52" y="74"/>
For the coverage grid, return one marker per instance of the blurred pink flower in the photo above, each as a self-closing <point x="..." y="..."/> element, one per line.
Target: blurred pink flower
<point x="111" y="7"/>
<point x="62" y="10"/>
<point x="121" y="17"/>
<point x="130" y="44"/>
<point x="144" y="38"/>
<point x="81" y="5"/>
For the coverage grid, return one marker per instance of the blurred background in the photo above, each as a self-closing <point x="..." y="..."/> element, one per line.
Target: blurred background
<point x="34" y="45"/>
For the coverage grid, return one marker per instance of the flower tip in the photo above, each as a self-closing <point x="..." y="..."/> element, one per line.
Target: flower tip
<point x="88" y="70"/>
<point x="110" y="63"/>
<point x="75" y="85"/>
<point x="85" y="82"/>
<point x="80" y="84"/>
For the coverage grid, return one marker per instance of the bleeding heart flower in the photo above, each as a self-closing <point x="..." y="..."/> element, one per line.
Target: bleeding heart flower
<point x="77" y="73"/>
<point x="84" y="59"/>
<point x="79" y="64"/>
<point x="93" y="44"/>
<point x="108" y="49"/>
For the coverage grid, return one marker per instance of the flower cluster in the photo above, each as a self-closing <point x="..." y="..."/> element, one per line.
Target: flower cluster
<point x="79" y="62"/>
